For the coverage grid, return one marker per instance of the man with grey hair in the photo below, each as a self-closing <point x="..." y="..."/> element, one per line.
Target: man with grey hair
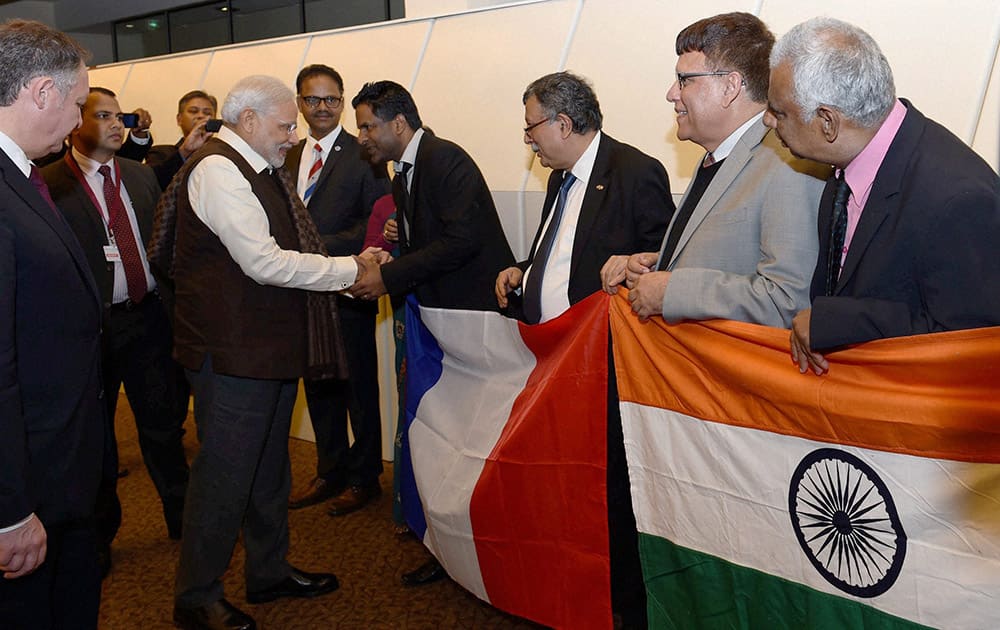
<point x="604" y="198"/>
<point x="249" y="323"/>
<point x="909" y="226"/>
<point x="52" y="419"/>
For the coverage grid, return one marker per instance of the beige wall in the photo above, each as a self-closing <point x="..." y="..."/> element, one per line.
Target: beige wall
<point x="467" y="72"/>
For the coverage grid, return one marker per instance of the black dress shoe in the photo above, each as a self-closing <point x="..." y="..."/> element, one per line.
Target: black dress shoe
<point x="319" y="490"/>
<point x="353" y="499"/>
<point x="297" y="584"/>
<point x="430" y="571"/>
<point x="219" y="615"/>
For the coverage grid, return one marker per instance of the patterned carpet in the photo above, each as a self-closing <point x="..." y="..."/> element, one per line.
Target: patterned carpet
<point x="361" y="548"/>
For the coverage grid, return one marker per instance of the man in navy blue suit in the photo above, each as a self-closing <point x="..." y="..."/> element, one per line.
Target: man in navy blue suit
<point x="915" y="249"/>
<point x="52" y="418"/>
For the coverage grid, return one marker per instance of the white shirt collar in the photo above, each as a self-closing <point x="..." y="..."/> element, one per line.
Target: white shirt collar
<point x="15" y="153"/>
<point x="326" y="142"/>
<point x="89" y="166"/>
<point x="410" y="152"/>
<point x="726" y="146"/>
<point x="585" y="164"/>
<point x="230" y="137"/>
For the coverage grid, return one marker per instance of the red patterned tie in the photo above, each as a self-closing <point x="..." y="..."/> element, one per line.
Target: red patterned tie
<point x="135" y="275"/>
<point x="313" y="174"/>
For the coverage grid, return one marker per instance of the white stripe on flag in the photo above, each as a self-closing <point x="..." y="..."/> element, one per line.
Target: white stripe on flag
<point x="485" y="360"/>
<point x="724" y="491"/>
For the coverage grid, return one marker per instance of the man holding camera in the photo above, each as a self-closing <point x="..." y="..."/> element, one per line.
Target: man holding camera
<point x="108" y="203"/>
<point x="194" y="111"/>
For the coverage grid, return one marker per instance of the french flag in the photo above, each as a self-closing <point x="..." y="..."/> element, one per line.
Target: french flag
<point x="504" y="467"/>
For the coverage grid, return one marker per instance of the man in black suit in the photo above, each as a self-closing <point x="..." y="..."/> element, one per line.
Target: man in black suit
<point x="604" y="199"/>
<point x="109" y="204"/>
<point x="452" y="242"/>
<point x="52" y="423"/>
<point x="914" y="250"/>
<point x="618" y="198"/>
<point x="339" y="188"/>
<point x="451" y="239"/>
<point x="194" y="109"/>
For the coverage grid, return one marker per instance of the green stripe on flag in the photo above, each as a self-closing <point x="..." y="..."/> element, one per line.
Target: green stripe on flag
<point x="688" y="589"/>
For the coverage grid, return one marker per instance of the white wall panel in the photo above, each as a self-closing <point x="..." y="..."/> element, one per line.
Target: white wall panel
<point x="394" y="50"/>
<point x="939" y="51"/>
<point x="627" y="51"/>
<point x="475" y="69"/>
<point x="987" y="139"/>
<point x="111" y="77"/>
<point x="157" y="84"/>
<point x="280" y="59"/>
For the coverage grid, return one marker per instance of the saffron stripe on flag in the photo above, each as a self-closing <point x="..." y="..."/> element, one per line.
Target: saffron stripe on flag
<point x="861" y="486"/>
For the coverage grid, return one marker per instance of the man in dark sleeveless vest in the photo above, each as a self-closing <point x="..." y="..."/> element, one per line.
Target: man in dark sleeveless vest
<point x="254" y="312"/>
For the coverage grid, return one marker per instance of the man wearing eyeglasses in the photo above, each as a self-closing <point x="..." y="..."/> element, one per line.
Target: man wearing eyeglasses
<point x="604" y="198"/>
<point x="743" y="242"/>
<point x="339" y="188"/>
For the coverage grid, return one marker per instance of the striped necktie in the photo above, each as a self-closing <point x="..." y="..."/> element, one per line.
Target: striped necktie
<point x="314" y="171"/>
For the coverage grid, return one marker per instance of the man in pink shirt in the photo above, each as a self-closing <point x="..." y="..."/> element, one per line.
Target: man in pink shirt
<point x="908" y="227"/>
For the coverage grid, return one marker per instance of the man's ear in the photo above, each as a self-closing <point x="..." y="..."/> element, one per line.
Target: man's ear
<point x="830" y="121"/>
<point x="42" y="91"/>
<point x="248" y="120"/>
<point x="399" y="124"/>
<point x="565" y="125"/>
<point x="734" y="87"/>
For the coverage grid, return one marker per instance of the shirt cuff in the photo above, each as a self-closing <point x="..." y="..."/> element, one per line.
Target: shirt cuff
<point x="4" y="530"/>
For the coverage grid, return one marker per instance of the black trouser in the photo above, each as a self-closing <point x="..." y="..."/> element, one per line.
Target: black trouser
<point x="240" y="481"/>
<point x="64" y="592"/>
<point x="330" y="402"/>
<point x="137" y="347"/>
<point x="628" y="591"/>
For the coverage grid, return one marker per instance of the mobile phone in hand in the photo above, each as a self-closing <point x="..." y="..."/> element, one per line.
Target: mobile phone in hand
<point x="130" y="120"/>
<point x="213" y="125"/>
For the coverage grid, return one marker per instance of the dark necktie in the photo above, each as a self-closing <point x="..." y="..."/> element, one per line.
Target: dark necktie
<point x="128" y="250"/>
<point x="402" y="199"/>
<point x="533" y="289"/>
<point x="36" y="179"/>
<point x="838" y="232"/>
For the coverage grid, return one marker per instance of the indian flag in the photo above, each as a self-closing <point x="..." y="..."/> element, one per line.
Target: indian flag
<point x="765" y="498"/>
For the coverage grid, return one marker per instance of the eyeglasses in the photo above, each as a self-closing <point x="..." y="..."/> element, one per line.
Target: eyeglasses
<point x="527" y="130"/>
<point x="288" y="128"/>
<point x="312" y="102"/>
<point x="684" y="77"/>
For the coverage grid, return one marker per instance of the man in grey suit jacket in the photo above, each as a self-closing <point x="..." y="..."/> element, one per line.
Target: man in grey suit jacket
<point x="136" y="333"/>
<point x="743" y="244"/>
